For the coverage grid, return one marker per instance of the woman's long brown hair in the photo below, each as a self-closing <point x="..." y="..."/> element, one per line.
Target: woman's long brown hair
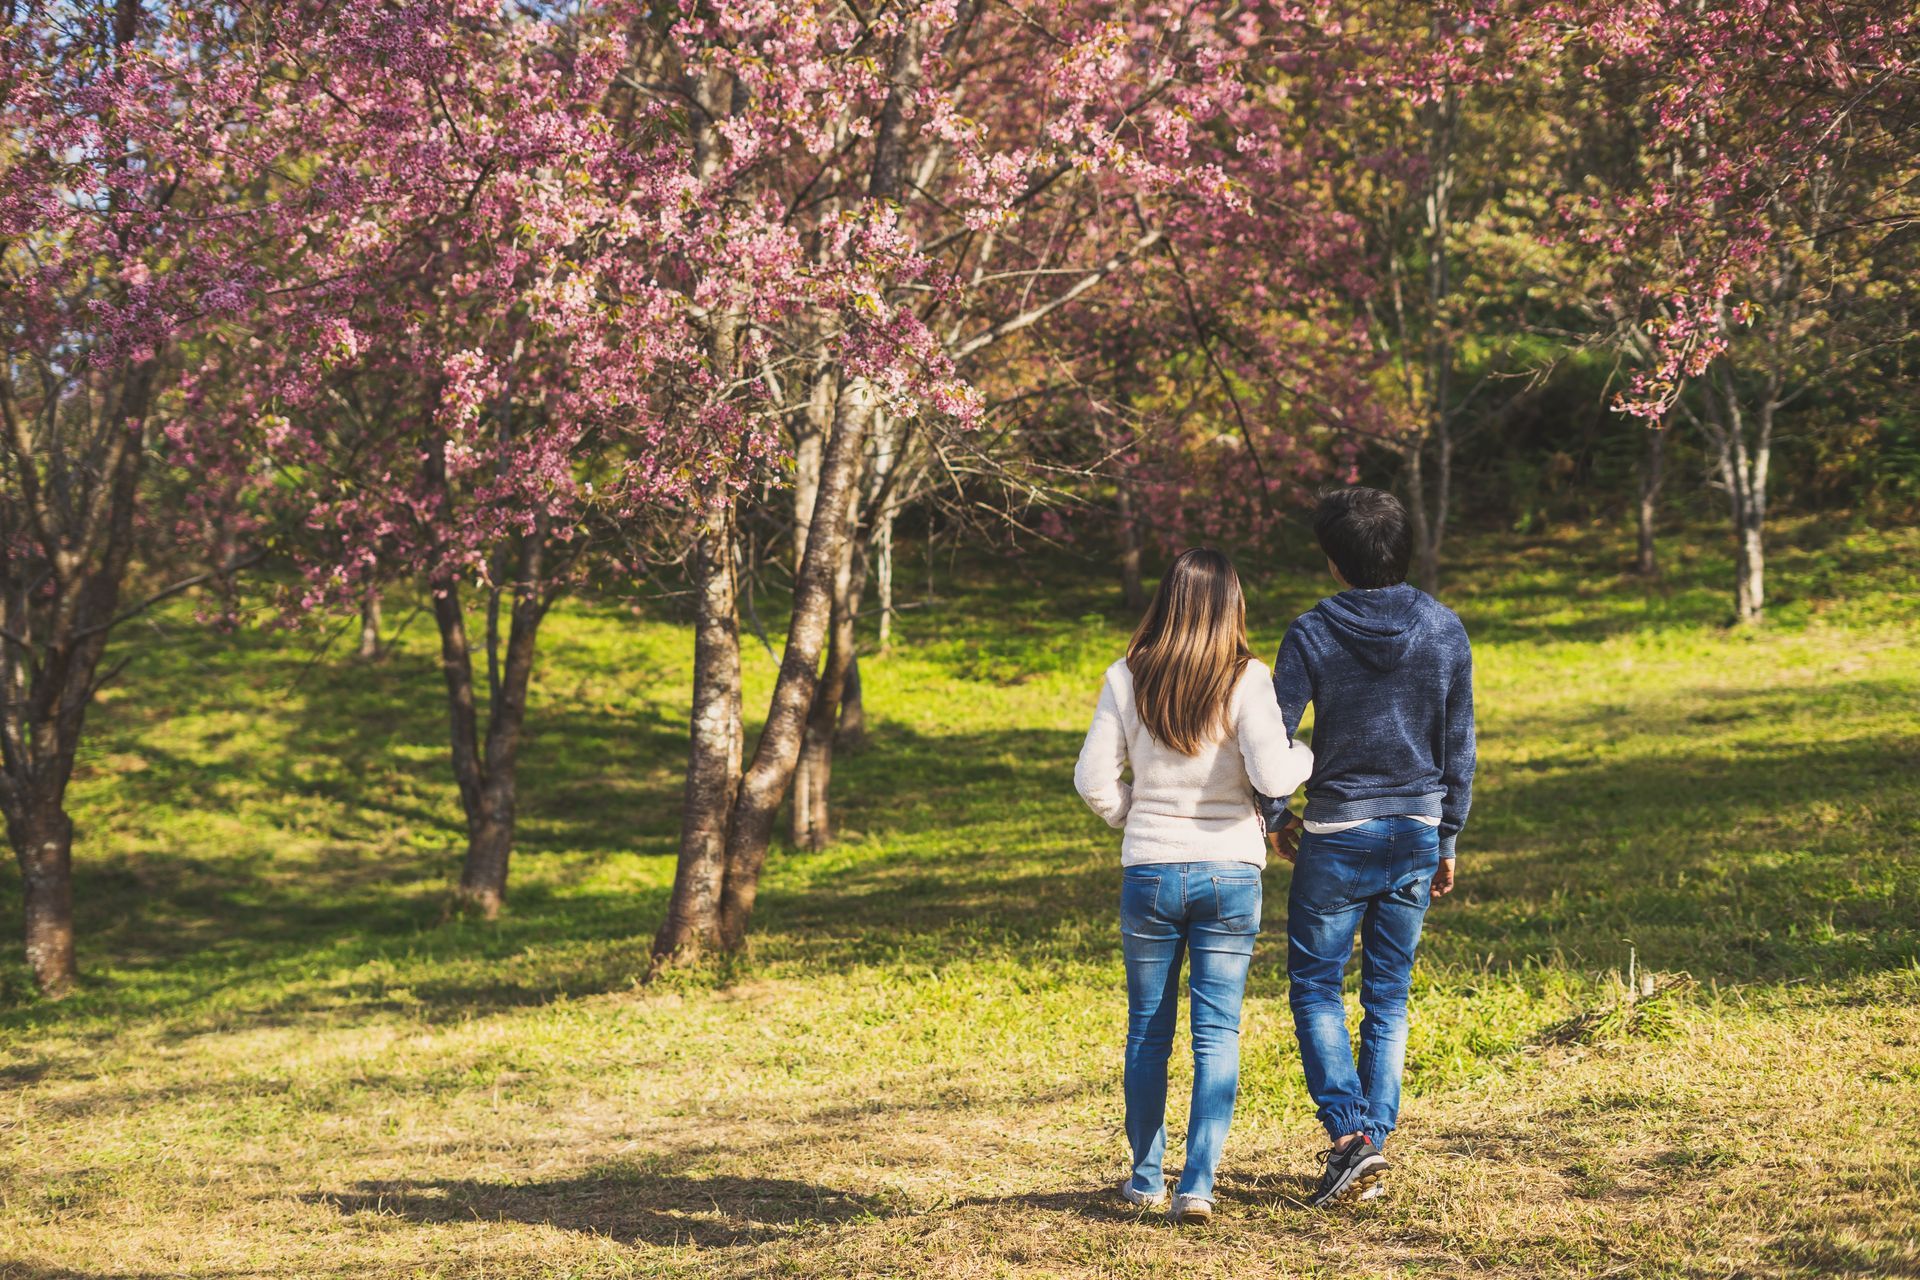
<point x="1190" y="650"/>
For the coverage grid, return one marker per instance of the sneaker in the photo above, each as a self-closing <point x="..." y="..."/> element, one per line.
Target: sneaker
<point x="1349" y="1171"/>
<point x="1143" y="1199"/>
<point x="1190" y="1211"/>
<point x="1373" y="1192"/>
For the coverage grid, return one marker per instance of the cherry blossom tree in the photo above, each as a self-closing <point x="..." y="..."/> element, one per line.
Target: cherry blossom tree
<point x="487" y="368"/>
<point x="1019" y="159"/>
<point x="134" y="215"/>
<point x="1773" y="172"/>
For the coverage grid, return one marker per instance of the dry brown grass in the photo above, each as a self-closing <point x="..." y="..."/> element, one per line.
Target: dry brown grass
<point x="631" y="1139"/>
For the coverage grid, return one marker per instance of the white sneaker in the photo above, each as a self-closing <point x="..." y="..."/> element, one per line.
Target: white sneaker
<point x="1191" y="1211"/>
<point x="1373" y="1192"/>
<point x="1143" y="1199"/>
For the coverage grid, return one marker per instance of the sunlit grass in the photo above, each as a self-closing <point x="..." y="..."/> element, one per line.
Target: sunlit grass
<point x="287" y="1059"/>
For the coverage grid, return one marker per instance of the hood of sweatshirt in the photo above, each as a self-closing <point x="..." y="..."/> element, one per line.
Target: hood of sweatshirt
<point x="1377" y="626"/>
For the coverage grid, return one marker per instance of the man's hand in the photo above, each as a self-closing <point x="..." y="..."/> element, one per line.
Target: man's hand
<point x="1285" y="843"/>
<point x="1443" y="878"/>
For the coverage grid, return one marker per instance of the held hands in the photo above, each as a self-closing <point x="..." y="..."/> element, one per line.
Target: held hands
<point x="1285" y="842"/>
<point x="1443" y="878"/>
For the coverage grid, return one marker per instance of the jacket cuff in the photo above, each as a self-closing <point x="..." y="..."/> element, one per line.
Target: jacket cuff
<point x="1273" y="811"/>
<point x="1446" y="846"/>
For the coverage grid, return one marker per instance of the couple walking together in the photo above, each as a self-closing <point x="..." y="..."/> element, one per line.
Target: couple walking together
<point x="1207" y="731"/>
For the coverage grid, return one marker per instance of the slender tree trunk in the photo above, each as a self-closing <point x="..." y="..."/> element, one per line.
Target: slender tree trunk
<point x="1652" y="475"/>
<point x="370" y="624"/>
<point x="1133" y="592"/>
<point x="714" y="749"/>
<point x="1426" y="558"/>
<point x="1432" y="528"/>
<point x="1750" y="595"/>
<point x="807" y="446"/>
<point x="1442" y="505"/>
<point x="808" y="452"/>
<point x="750" y="825"/>
<point x="829" y="697"/>
<point x="883" y="577"/>
<point x="877" y="549"/>
<point x="1743" y="452"/>
<point x="853" y="710"/>
<point x="488" y="776"/>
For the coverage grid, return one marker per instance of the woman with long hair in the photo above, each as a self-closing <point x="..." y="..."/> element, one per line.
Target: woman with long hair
<point x="1193" y="713"/>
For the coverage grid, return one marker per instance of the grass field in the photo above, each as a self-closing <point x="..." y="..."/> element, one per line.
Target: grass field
<point x="286" y="1061"/>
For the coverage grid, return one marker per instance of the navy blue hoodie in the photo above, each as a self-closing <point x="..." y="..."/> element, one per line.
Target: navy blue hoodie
<point x="1390" y="676"/>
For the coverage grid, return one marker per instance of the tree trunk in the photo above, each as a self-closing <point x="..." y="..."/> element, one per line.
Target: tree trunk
<point x="1652" y="475"/>
<point x="43" y="845"/>
<point x="807" y="445"/>
<point x="829" y="697"/>
<point x="883" y="577"/>
<point x="1750" y="596"/>
<point x="1743" y="452"/>
<point x="853" y="709"/>
<point x="750" y="824"/>
<point x="1426" y="550"/>
<point x="808" y="451"/>
<point x="889" y="445"/>
<point x="50" y="657"/>
<point x="714" y="749"/>
<point x="370" y="624"/>
<point x="488" y="779"/>
<point x="1439" y="217"/>
<point x="1133" y="592"/>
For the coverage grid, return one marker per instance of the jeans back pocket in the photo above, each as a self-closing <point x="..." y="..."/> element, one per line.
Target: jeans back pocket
<point x="1237" y="902"/>
<point x="1139" y="897"/>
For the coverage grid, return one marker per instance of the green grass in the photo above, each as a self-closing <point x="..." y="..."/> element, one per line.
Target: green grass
<point x="287" y="1060"/>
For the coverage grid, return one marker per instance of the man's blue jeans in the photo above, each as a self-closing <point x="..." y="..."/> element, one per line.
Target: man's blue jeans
<point x="1377" y="878"/>
<point x="1210" y="910"/>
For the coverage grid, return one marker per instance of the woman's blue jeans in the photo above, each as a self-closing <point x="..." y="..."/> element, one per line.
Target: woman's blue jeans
<point x="1209" y="911"/>
<point x="1376" y="878"/>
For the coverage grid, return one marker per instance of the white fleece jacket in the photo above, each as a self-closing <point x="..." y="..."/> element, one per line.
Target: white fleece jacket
<point x="1196" y="808"/>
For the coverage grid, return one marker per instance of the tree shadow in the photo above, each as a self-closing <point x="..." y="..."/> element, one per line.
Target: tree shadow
<point x="14" y="1269"/>
<point x="972" y="842"/>
<point x="631" y="1206"/>
<point x="1698" y="857"/>
<point x="192" y="923"/>
<point x="1097" y="1204"/>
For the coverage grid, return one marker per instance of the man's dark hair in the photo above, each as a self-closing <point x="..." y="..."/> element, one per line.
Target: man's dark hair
<point x="1365" y="533"/>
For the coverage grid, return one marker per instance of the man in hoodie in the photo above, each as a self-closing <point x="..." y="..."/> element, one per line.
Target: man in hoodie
<point x="1390" y="676"/>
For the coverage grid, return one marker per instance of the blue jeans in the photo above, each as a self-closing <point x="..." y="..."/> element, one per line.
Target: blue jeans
<point x="1211" y="910"/>
<point x="1376" y="877"/>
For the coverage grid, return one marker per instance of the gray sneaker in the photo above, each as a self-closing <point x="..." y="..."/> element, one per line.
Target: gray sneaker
<point x="1143" y="1199"/>
<point x="1350" y="1171"/>
<point x="1190" y="1211"/>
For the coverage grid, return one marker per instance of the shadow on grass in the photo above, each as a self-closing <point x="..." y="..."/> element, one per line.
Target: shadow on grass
<point x="960" y="845"/>
<point x="668" y="1210"/>
<point x="298" y="934"/>
<point x="14" y="1270"/>
<point x="1702" y="859"/>
<point x="1688" y="855"/>
<point x="628" y="1206"/>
